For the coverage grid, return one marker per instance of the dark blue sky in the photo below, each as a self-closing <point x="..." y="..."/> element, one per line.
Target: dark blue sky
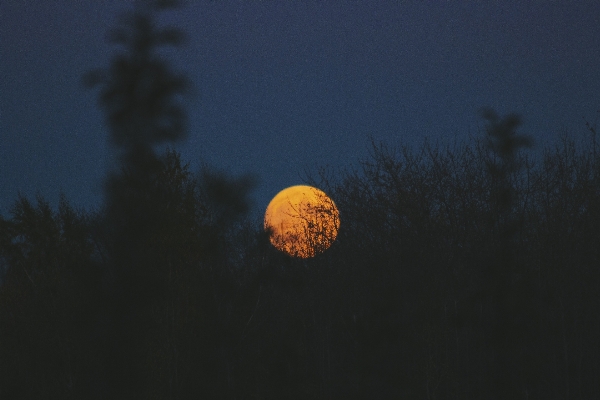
<point x="289" y="86"/>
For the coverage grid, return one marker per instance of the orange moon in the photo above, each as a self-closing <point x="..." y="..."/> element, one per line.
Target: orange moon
<point x="302" y="221"/>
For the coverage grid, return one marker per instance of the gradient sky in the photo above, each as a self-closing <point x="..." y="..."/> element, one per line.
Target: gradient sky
<point x="285" y="87"/>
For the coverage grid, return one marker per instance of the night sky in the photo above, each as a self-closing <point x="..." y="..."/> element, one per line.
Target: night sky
<point x="284" y="87"/>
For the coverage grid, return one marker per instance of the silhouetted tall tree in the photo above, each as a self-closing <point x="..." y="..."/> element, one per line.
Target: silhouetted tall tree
<point x="509" y="282"/>
<point x="140" y="94"/>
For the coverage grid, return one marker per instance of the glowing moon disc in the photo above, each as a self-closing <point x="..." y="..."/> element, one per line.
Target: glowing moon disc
<point x="302" y="220"/>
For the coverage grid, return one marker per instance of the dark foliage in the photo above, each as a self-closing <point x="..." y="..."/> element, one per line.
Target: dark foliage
<point x="434" y="288"/>
<point x="48" y="300"/>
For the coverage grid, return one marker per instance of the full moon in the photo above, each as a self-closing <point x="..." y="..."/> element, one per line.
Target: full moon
<point x="302" y="221"/>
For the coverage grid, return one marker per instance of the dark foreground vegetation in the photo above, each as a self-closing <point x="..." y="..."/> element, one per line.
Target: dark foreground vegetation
<point x="465" y="272"/>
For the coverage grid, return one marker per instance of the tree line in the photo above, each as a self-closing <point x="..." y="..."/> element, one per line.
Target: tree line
<point x="459" y="272"/>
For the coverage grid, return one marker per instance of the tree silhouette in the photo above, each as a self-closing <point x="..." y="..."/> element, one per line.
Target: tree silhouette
<point x="458" y="272"/>
<point x="509" y="282"/>
<point x="47" y="298"/>
<point x="140" y="93"/>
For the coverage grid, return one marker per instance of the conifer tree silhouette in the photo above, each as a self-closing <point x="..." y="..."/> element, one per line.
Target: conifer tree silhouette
<point x="139" y="93"/>
<point x="507" y="297"/>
